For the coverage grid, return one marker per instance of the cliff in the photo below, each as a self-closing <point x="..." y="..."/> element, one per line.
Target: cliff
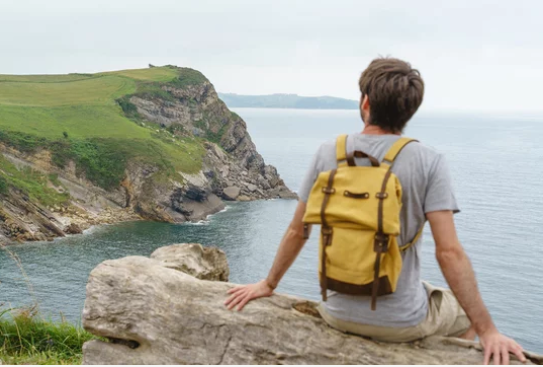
<point x="151" y="311"/>
<point x="84" y="149"/>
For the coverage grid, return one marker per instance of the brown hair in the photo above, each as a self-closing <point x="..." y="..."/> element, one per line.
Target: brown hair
<point x="394" y="90"/>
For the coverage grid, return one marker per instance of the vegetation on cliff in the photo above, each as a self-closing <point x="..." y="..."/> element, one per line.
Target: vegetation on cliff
<point x="82" y="117"/>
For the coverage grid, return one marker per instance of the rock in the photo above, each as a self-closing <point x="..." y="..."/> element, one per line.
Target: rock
<point x="153" y="314"/>
<point x="244" y="198"/>
<point x="231" y="193"/>
<point x="207" y="263"/>
<point x="286" y="194"/>
<point x="251" y="187"/>
<point x="73" y="229"/>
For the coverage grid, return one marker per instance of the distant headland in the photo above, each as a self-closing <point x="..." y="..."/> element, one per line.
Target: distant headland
<point x="233" y="100"/>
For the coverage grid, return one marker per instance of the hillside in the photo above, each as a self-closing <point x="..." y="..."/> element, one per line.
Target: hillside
<point x="288" y="101"/>
<point x="156" y="143"/>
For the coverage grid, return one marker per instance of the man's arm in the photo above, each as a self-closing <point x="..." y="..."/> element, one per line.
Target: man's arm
<point x="290" y="247"/>
<point x="459" y="274"/>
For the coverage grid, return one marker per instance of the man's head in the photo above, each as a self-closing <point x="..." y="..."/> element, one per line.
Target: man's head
<point x="391" y="94"/>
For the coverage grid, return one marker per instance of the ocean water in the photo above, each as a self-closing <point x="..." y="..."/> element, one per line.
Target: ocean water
<point x="496" y="164"/>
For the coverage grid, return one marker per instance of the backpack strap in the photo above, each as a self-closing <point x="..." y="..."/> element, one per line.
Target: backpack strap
<point x="408" y="245"/>
<point x="380" y="245"/>
<point x="394" y="150"/>
<point x="341" y="150"/>
<point x="391" y="155"/>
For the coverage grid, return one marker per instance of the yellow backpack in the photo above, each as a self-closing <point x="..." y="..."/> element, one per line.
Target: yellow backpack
<point x="358" y="208"/>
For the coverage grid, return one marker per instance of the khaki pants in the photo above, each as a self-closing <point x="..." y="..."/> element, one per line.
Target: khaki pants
<point x="445" y="318"/>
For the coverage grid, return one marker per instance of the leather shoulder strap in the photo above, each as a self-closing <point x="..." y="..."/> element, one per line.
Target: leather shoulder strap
<point x="341" y="150"/>
<point x="395" y="149"/>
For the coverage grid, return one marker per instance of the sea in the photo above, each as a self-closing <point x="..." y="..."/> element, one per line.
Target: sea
<point x="497" y="170"/>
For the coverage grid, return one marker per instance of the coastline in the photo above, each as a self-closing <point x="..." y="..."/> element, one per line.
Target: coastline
<point x="88" y="221"/>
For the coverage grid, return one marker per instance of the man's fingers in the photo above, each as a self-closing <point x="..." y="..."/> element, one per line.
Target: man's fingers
<point x="244" y="302"/>
<point x="236" y="289"/>
<point x="229" y="299"/>
<point x="505" y="356"/>
<point x="519" y="352"/>
<point x="235" y="301"/>
<point x="487" y="355"/>
<point x="496" y="355"/>
<point x="232" y="298"/>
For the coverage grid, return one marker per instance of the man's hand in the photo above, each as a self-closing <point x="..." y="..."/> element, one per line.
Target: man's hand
<point x="458" y="272"/>
<point x="290" y="246"/>
<point x="244" y="293"/>
<point x="499" y="346"/>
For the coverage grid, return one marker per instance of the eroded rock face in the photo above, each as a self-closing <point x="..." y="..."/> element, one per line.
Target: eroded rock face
<point x="207" y="263"/>
<point x="154" y="314"/>
<point x="231" y="158"/>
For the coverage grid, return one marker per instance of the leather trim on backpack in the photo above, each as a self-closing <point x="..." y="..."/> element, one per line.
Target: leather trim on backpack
<point x="326" y="231"/>
<point x="364" y="289"/>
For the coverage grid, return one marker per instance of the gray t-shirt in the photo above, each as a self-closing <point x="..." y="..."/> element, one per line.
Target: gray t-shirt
<point x="426" y="186"/>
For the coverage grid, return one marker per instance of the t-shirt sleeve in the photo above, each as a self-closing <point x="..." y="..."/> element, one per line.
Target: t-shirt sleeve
<point x="439" y="192"/>
<point x="310" y="177"/>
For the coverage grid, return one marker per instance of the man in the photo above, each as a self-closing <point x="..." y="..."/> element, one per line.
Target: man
<point x="391" y="93"/>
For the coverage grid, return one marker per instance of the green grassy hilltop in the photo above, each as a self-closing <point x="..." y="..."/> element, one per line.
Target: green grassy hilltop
<point x="83" y="117"/>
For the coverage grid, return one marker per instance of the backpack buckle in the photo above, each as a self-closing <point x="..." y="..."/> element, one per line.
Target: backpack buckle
<point x="381" y="237"/>
<point x="327" y="231"/>
<point x="328" y="191"/>
<point x="381" y="242"/>
<point x="381" y="195"/>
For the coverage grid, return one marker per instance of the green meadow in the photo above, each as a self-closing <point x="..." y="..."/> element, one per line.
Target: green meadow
<point x="79" y="117"/>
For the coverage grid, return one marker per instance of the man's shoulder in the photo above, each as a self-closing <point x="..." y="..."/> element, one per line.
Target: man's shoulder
<point x="420" y="150"/>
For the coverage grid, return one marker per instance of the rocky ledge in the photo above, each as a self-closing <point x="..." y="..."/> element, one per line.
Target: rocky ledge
<point x="159" y="310"/>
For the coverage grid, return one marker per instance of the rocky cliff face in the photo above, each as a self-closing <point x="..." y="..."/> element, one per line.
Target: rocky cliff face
<point x="231" y="158"/>
<point x="231" y="169"/>
<point x="152" y="312"/>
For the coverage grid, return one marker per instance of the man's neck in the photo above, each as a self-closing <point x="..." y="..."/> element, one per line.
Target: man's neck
<point x="375" y="130"/>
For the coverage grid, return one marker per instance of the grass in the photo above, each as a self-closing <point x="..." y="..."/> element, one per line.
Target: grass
<point x="31" y="182"/>
<point x="28" y="339"/>
<point x="96" y="90"/>
<point x="88" y="118"/>
<point x="156" y="74"/>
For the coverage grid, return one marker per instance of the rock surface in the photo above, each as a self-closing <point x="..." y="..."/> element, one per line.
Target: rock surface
<point x="154" y="314"/>
<point x="231" y="192"/>
<point x="207" y="263"/>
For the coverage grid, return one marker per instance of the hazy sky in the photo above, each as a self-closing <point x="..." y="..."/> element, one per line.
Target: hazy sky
<point x="473" y="55"/>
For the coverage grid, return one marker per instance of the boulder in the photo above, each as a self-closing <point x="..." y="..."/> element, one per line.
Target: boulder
<point x="231" y="193"/>
<point x="251" y="187"/>
<point x="208" y="263"/>
<point x="151" y="313"/>
<point x="73" y="229"/>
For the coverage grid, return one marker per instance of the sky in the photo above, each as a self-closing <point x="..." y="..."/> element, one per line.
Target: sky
<point x="473" y="55"/>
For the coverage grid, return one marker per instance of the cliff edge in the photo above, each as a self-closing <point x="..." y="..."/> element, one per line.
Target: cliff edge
<point x="152" y="311"/>
<point x="156" y="143"/>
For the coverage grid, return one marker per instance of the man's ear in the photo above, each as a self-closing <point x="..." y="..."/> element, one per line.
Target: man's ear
<point x="365" y="103"/>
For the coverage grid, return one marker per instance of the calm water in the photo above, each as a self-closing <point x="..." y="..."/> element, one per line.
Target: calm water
<point x="497" y="171"/>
